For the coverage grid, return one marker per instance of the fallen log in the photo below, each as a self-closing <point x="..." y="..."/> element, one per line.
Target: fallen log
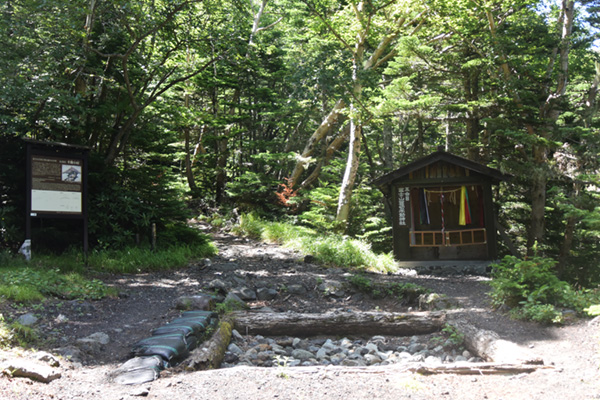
<point x="488" y="345"/>
<point x="211" y="353"/>
<point x="460" y="368"/>
<point x="465" y="368"/>
<point x="343" y="323"/>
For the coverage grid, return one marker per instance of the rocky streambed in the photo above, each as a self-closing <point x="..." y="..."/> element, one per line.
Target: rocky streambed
<point x="286" y="351"/>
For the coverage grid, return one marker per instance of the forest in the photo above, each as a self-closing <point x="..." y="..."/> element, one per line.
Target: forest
<point x="287" y="110"/>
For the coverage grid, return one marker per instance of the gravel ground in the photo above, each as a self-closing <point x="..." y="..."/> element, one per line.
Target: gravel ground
<point x="146" y="302"/>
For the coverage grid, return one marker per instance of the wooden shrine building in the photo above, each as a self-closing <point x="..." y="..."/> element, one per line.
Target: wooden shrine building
<point x="442" y="208"/>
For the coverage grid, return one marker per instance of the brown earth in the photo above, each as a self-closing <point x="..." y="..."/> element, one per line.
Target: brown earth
<point x="147" y="300"/>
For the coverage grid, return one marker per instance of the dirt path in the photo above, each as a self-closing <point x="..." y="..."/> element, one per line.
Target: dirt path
<point x="147" y="301"/>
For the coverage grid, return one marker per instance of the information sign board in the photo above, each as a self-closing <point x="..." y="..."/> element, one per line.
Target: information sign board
<point x="56" y="185"/>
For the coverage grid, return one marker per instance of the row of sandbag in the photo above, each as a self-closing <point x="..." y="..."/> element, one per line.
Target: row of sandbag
<point x="168" y="345"/>
<point x="174" y="341"/>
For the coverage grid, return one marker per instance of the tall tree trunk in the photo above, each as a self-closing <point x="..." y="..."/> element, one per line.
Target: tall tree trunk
<point x="343" y="210"/>
<point x="471" y="88"/>
<point x="387" y="155"/>
<point x="567" y="244"/>
<point x="549" y="113"/>
<point x="223" y="142"/>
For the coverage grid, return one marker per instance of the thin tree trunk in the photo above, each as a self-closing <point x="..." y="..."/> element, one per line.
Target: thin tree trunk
<point x="387" y="155"/>
<point x="344" y="201"/>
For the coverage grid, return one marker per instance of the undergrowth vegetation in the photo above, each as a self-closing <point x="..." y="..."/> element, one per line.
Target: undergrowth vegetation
<point x="533" y="291"/>
<point x="67" y="277"/>
<point x="331" y="249"/>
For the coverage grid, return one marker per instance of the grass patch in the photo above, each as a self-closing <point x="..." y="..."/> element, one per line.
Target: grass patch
<point x="332" y="249"/>
<point x="134" y="260"/>
<point x="33" y="284"/>
<point x="15" y="334"/>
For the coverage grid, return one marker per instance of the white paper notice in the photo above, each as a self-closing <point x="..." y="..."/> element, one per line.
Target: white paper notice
<point x="55" y="201"/>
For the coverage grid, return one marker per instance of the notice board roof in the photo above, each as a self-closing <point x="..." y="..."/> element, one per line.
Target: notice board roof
<point x="56" y="145"/>
<point x="492" y="174"/>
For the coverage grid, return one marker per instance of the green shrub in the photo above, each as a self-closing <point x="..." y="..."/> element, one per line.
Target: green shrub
<point x="533" y="290"/>
<point x="543" y="313"/>
<point x="534" y="280"/>
<point x="250" y="225"/>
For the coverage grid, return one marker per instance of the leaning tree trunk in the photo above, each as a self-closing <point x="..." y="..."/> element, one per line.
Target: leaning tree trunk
<point x="322" y="131"/>
<point x="211" y="353"/>
<point x="488" y="345"/>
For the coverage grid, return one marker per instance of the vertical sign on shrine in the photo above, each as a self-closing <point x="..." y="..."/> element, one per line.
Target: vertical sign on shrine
<point x="403" y="197"/>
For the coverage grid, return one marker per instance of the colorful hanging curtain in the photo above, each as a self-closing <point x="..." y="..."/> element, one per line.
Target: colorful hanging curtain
<point x="465" y="211"/>
<point x="481" y="213"/>
<point x="423" y="208"/>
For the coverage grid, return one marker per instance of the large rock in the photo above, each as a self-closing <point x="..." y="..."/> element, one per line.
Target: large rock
<point x="27" y="319"/>
<point x="201" y="301"/>
<point x="297" y="289"/>
<point x="94" y="343"/>
<point x="234" y="301"/>
<point x="138" y="370"/>
<point x="219" y="285"/>
<point x="245" y="293"/>
<point x="23" y="368"/>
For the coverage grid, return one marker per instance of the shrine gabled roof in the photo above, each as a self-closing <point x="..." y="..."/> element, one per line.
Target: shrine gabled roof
<point x="491" y="173"/>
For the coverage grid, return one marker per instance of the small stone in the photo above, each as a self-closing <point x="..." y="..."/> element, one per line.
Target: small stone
<point x="47" y="358"/>
<point x="234" y="301"/>
<point x="235" y="349"/>
<point x="460" y="358"/>
<point x="60" y="319"/>
<point x="302" y="354"/>
<point x="245" y="293"/>
<point x="99" y="337"/>
<point x="433" y="360"/>
<point x="336" y="359"/>
<point x="372" y="359"/>
<point x="415" y="348"/>
<point x="236" y="335"/>
<point x="71" y="353"/>
<point x="322" y="354"/>
<point x="265" y="294"/>
<point x="218" y="285"/>
<point x="466" y="354"/>
<point x="372" y="348"/>
<point x="198" y="302"/>
<point x="27" y="319"/>
<point x="353" y="363"/>
<point x="297" y="289"/>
